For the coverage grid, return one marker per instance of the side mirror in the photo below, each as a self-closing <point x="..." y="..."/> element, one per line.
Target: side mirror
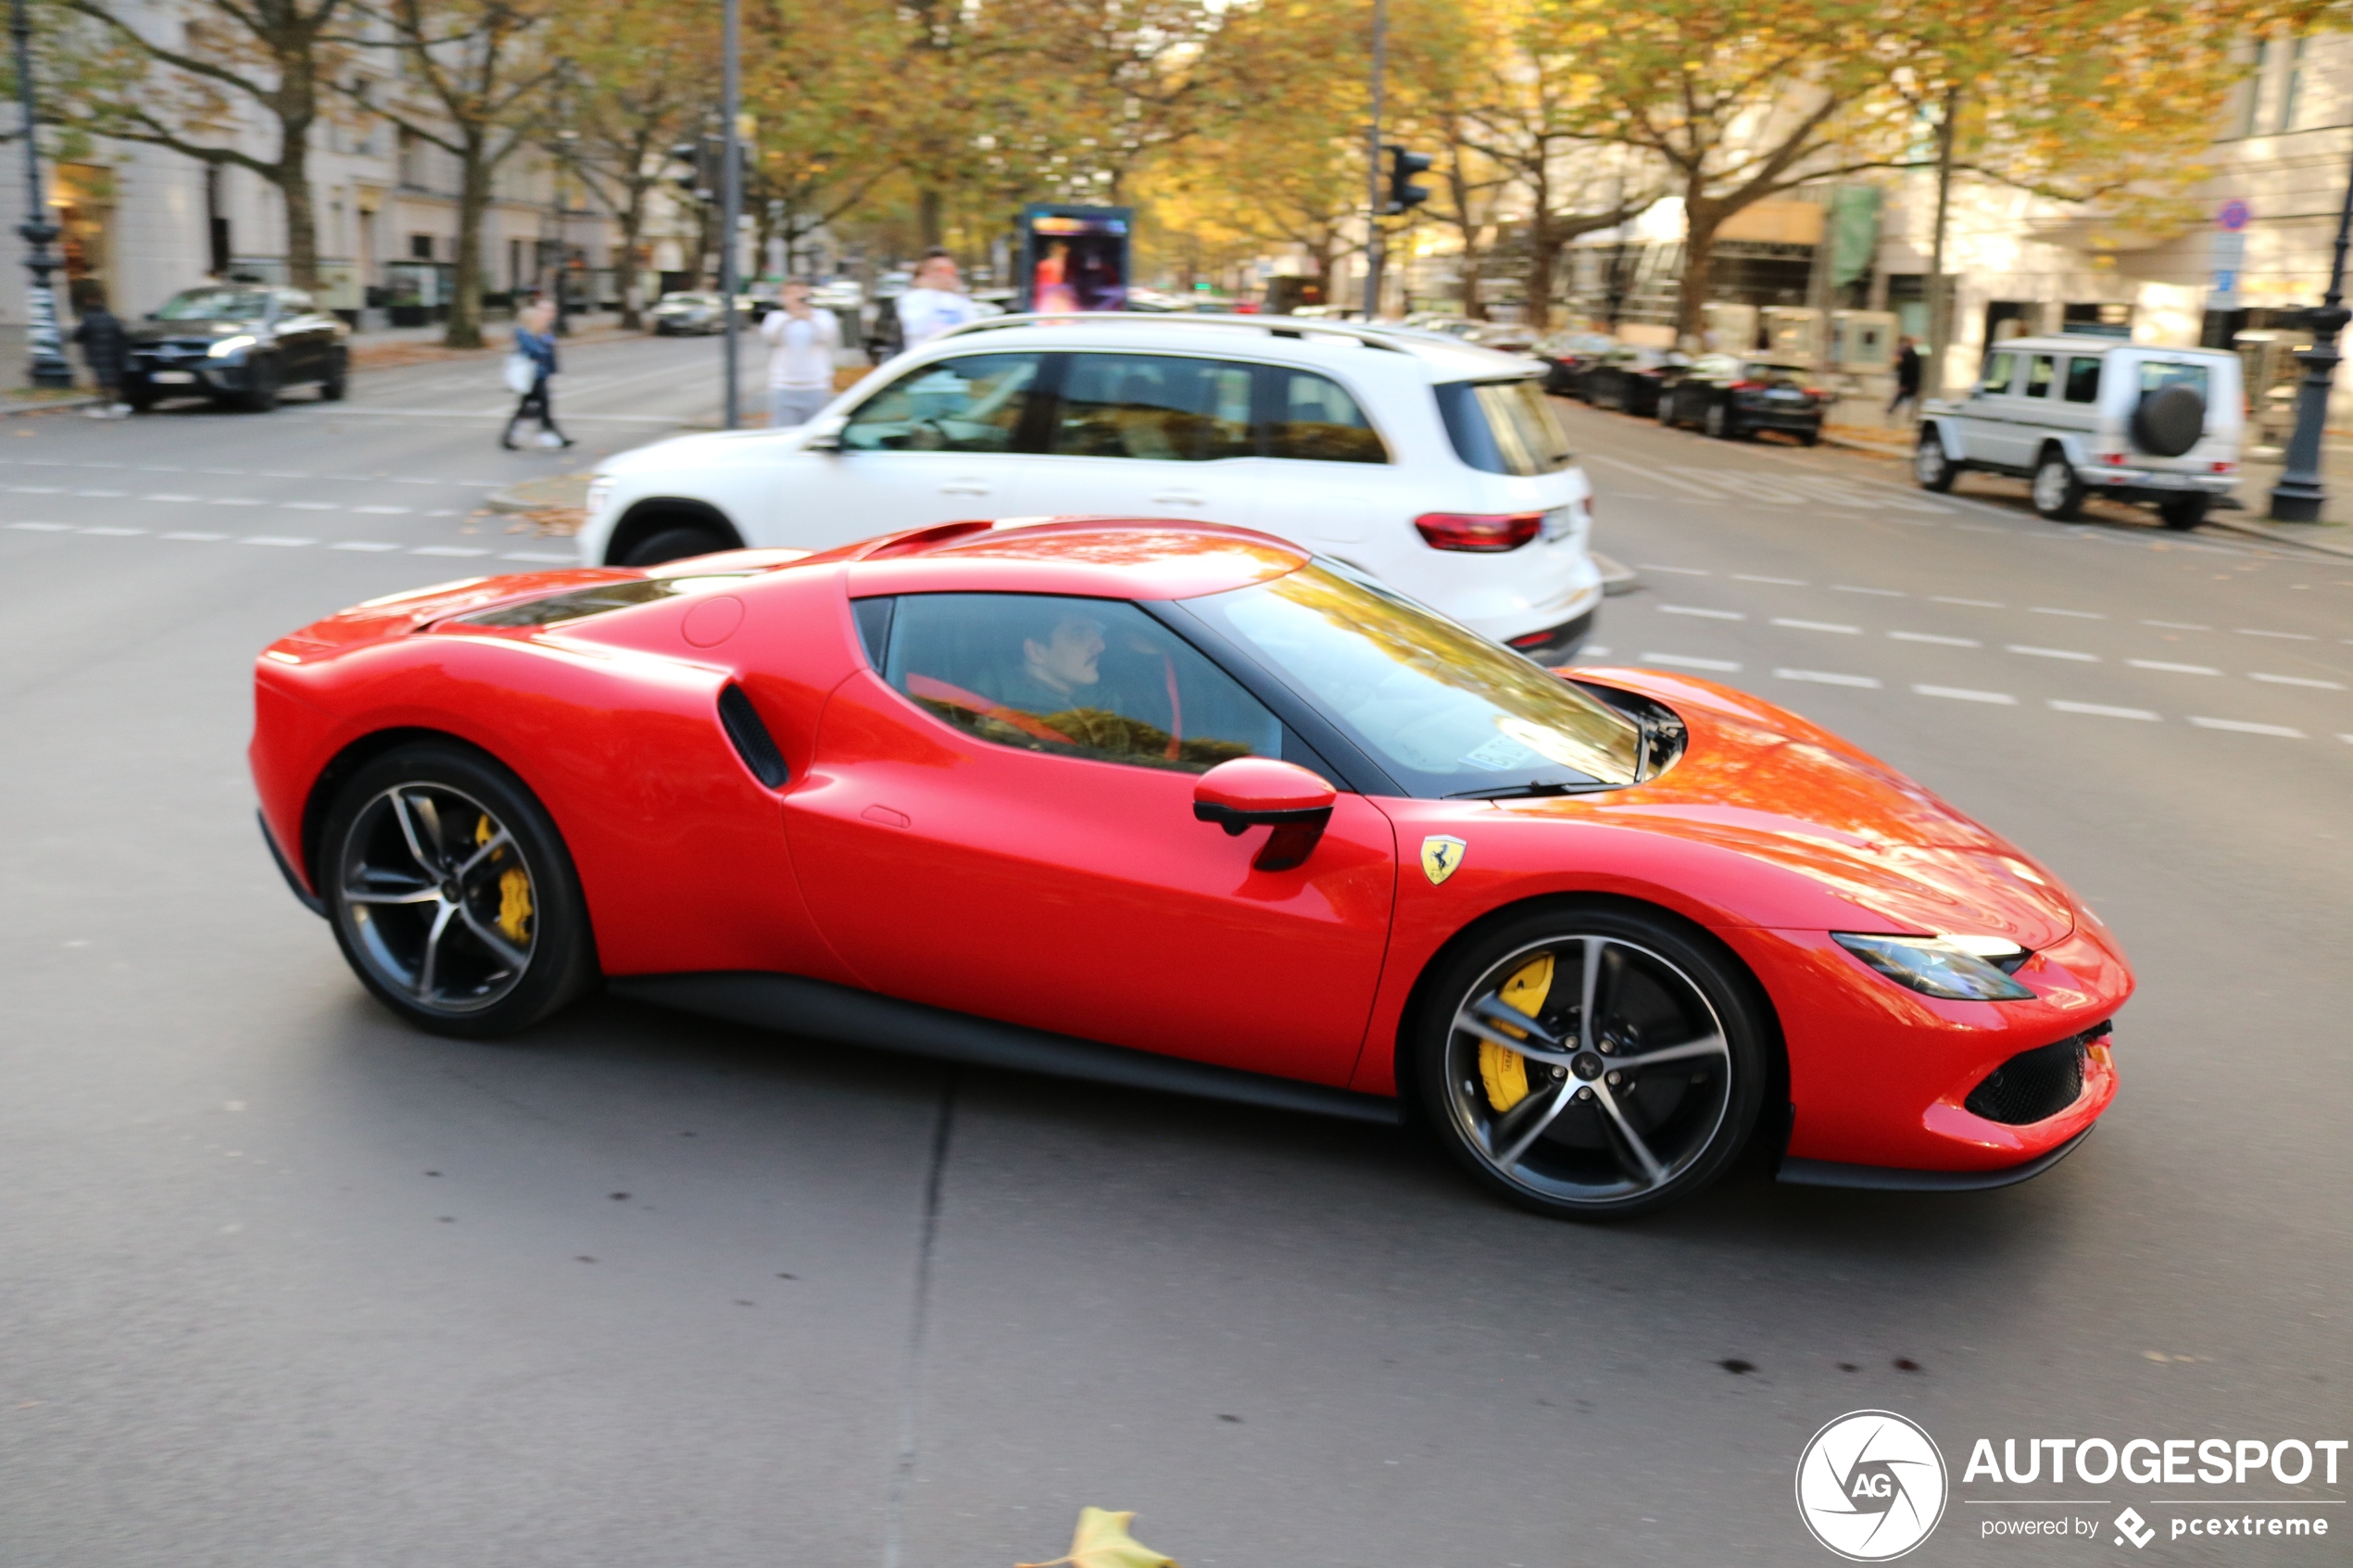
<point x="1260" y="792"/>
<point x="823" y="436"/>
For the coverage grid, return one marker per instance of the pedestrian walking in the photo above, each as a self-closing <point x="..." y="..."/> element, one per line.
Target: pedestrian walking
<point x="536" y="342"/>
<point x="1908" y="377"/>
<point x="936" y="303"/>
<point x="105" y="348"/>
<point x="802" y="341"/>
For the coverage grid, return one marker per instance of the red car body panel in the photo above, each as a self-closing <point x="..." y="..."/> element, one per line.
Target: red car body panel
<point x="908" y="858"/>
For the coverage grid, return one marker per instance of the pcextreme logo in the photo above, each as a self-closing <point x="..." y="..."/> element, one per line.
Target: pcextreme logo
<point x="1871" y="1486"/>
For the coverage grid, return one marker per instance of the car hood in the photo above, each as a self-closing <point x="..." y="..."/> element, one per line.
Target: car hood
<point x="1761" y="782"/>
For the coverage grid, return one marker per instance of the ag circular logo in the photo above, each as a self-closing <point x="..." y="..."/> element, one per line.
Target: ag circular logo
<point x="1870" y="1486"/>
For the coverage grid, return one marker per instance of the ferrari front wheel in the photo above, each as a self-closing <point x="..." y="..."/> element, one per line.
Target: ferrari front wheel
<point x="1590" y="1062"/>
<point x="451" y="894"/>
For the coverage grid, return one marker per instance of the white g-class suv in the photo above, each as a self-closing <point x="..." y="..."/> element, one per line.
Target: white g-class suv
<point x="2078" y="417"/>
<point x="1435" y="467"/>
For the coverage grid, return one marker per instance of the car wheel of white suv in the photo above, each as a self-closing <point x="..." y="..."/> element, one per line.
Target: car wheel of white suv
<point x="1931" y="465"/>
<point x="2059" y="495"/>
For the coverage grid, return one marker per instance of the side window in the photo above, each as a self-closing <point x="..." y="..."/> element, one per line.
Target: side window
<point x="2084" y="379"/>
<point x="294" y="302"/>
<point x="1153" y="406"/>
<point x="972" y="404"/>
<point x="2157" y="374"/>
<point x="1086" y="678"/>
<point x="1313" y="416"/>
<point x="2041" y="370"/>
<point x="1999" y="368"/>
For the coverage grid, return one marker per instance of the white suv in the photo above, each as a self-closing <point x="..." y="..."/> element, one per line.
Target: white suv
<point x="1437" y="468"/>
<point x="2078" y="417"/>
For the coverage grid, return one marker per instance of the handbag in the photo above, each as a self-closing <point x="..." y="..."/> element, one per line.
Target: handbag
<point x="522" y="372"/>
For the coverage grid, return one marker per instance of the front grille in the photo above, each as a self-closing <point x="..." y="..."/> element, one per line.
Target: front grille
<point x="2033" y="1084"/>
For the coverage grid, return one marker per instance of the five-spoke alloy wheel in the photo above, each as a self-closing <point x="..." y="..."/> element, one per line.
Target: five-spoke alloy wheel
<point x="1591" y="1061"/>
<point x="451" y="894"/>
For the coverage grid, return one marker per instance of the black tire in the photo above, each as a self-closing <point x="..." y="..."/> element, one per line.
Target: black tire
<point x="1809" y="438"/>
<point x="2057" y="493"/>
<point x="451" y="964"/>
<point x="2185" y="512"/>
<point x="260" y="394"/>
<point x="1719" y="424"/>
<point x="337" y="382"/>
<point x="1666" y="410"/>
<point x="1597" y="1139"/>
<point x="138" y="398"/>
<point x="675" y="543"/>
<point x="1930" y="468"/>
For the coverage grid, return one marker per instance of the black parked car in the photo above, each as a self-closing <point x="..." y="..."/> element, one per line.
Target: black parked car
<point x="1733" y="399"/>
<point x="237" y="343"/>
<point x="1566" y="355"/>
<point x="1628" y="379"/>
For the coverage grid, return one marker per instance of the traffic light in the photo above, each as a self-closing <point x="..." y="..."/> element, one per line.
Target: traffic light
<point x="1402" y="166"/>
<point x="699" y="179"/>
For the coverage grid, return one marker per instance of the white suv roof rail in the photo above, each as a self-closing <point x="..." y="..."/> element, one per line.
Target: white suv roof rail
<point x="1274" y="326"/>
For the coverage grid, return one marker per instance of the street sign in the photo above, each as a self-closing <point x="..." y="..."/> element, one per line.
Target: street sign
<point x="2233" y="215"/>
<point x="2226" y="282"/>
<point x="2227" y="249"/>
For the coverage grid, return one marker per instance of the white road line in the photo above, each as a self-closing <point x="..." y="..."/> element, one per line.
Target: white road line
<point x="308" y="506"/>
<point x="2173" y="669"/>
<point x="43" y="527"/>
<point x="1743" y="486"/>
<point x="1777" y="582"/>
<point x="2297" y="681"/>
<point x="382" y="512"/>
<point x="574" y="560"/>
<point x="2286" y="636"/>
<point x="1973" y="604"/>
<point x="1705" y="495"/>
<point x="1962" y="694"/>
<point x="101" y="495"/>
<point x="1677" y="661"/>
<point x="1882" y="592"/>
<point x="2052" y="653"/>
<point x="448" y="550"/>
<point x="442" y="512"/>
<point x="1932" y="637"/>
<point x="2074" y="614"/>
<point x="238" y="472"/>
<point x="2241" y="726"/>
<point x="1703" y="614"/>
<point x="235" y="501"/>
<point x="161" y="495"/>
<point x="280" y="540"/>
<point x="2101" y="710"/>
<point x="283" y="473"/>
<point x="134" y="533"/>
<point x="2178" y="625"/>
<point x="1825" y="678"/>
<point x="370" y="546"/>
<point x="160" y="468"/>
<point x="36" y="489"/>
<point x="1818" y="626"/>
<point x="1678" y="570"/>
<point x="201" y="538"/>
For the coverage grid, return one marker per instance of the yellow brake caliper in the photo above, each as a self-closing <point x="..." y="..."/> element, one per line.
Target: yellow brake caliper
<point x="1505" y="1072"/>
<point x="514" y="893"/>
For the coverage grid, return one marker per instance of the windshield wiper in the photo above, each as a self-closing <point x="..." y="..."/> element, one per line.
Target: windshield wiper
<point x="1530" y="791"/>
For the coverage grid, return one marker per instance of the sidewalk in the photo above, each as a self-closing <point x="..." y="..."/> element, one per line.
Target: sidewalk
<point x="421" y="345"/>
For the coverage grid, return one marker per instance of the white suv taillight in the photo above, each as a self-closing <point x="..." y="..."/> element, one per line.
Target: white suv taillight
<point x="1490" y="534"/>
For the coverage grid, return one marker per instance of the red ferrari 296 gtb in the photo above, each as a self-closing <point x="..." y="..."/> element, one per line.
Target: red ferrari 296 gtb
<point x="1178" y="806"/>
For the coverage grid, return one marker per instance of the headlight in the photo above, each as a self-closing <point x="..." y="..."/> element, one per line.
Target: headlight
<point x="1941" y="966"/>
<point x="229" y="346"/>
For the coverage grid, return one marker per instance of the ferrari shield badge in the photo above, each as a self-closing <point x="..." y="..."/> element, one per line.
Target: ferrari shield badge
<point x="1440" y="856"/>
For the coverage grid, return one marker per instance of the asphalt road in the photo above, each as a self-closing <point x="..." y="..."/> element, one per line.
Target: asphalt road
<point x="285" y="1283"/>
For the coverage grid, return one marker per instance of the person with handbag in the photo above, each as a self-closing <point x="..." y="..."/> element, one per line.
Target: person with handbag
<point x="531" y="365"/>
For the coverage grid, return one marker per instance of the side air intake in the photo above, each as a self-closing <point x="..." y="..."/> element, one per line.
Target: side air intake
<point x="752" y="741"/>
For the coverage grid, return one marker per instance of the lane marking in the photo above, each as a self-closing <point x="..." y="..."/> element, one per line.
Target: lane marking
<point x="308" y="506"/>
<point x="235" y="501"/>
<point x="1882" y="592"/>
<point x="382" y="512"/>
<point x="2178" y="625"/>
<point x="102" y="495"/>
<point x="1678" y="570"/>
<point x="1679" y="660"/>
<point x="2286" y="636"/>
<point x="278" y="540"/>
<point x="161" y="495"/>
<point x="1818" y="626"/>
<point x="368" y="545"/>
<point x="43" y="527"/>
<point x="282" y="473"/>
<point x="2052" y="653"/>
<point x="448" y="550"/>
<point x="575" y="560"/>
<point x="133" y="532"/>
<point x="204" y="538"/>
<point x="1703" y="614"/>
<point x="2075" y="614"/>
<point x="1973" y="604"/>
<point x="1962" y="694"/>
<point x="2102" y="710"/>
<point x="2297" y="681"/>
<point x="2173" y="669"/>
<point x="1826" y="678"/>
<point x="1777" y="582"/>
<point x="2241" y="726"/>
<point x="36" y="489"/>
<point x="1932" y="637"/>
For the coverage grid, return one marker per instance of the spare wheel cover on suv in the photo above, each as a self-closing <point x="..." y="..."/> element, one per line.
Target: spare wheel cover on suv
<point x="2169" y="422"/>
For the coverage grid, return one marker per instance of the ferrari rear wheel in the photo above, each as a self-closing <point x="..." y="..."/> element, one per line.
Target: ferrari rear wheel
<point x="1591" y="1062"/>
<point x="451" y="894"/>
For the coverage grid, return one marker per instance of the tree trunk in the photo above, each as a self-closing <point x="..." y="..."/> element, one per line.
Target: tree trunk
<point x="928" y="219"/>
<point x="1543" y="261"/>
<point x="1473" y="306"/>
<point x="1701" y="218"/>
<point x="291" y="176"/>
<point x="473" y="200"/>
<point x="633" y="223"/>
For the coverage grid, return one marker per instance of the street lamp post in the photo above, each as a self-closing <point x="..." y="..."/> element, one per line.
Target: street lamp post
<point x="731" y="196"/>
<point x="2299" y="496"/>
<point x="49" y="366"/>
<point x="1374" y="201"/>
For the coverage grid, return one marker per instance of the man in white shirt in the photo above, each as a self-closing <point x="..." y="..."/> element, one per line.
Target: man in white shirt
<point x="936" y="302"/>
<point x="800" y="365"/>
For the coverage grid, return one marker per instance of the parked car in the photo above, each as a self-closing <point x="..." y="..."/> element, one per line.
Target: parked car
<point x="1565" y="356"/>
<point x="693" y="314"/>
<point x="237" y="343"/>
<point x="2079" y="417"/>
<point x="1733" y="399"/>
<point x="1432" y="465"/>
<point x="1627" y="378"/>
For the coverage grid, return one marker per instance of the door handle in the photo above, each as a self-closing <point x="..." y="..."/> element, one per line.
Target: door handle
<point x="885" y="816"/>
<point x="963" y="487"/>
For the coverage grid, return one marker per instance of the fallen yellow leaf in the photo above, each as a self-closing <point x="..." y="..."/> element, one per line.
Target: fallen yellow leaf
<point x="1103" y="1541"/>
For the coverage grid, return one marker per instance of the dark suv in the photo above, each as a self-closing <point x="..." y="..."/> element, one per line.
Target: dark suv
<point x="238" y="343"/>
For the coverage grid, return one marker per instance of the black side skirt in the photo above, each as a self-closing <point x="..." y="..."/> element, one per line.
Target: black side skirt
<point x="1883" y="1178"/>
<point x="821" y="1010"/>
<point x="309" y="900"/>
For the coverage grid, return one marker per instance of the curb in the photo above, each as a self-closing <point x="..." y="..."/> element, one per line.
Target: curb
<point x="10" y="411"/>
<point x="569" y="491"/>
<point x="2277" y="536"/>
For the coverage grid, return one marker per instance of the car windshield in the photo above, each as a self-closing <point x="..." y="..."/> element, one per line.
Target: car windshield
<point x="214" y="305"/>
<point x="1443" y="710"/>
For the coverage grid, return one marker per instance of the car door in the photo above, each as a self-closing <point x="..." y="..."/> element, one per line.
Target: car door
<point x="1330" y="482"/>
<point x="1149" y="435"/>
<point x="301" y="332"/>
<point x="943" y="442"/>
<point x="1990" y="413"/>
<point x="999" y="822"/>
